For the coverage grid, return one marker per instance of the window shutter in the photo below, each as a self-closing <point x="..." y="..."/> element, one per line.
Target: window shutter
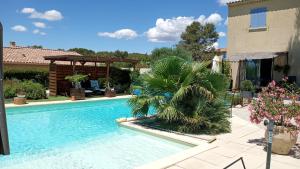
<point x="258" y="17"/>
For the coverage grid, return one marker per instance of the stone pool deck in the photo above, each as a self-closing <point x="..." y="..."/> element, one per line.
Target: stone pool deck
<point x="66" y="101"/>
<point x="246" y="140"/>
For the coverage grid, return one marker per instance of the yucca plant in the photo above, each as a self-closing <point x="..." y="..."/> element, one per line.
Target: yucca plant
<point x="186" y="94"/>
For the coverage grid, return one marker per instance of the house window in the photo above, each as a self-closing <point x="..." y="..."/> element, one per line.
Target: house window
<point x="258" y="18"/>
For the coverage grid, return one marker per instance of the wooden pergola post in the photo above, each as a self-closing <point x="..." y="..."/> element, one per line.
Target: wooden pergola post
<point x="107" y="72"/>
<point x="4" y="143"/>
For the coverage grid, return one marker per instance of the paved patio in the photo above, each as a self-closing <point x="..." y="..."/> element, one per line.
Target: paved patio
<point x="245" y="140"/>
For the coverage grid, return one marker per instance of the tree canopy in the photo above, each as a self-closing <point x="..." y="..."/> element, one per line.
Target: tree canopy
<point x="83" y="51"/>
<point x="199" y="40"/>
<point x="160" y="53"/>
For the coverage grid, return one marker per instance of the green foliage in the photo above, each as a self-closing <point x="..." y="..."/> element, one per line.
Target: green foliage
<point x="32" y="90"/>
<point x="83" y="51"/>
<point x="34" y="75"/>
<point x="184" y="94"/>
<point x="199" y="39"/>
<point x="77" y="78"/>
<point x="120" y="79"/>
<point x="36" y="46"/>
<point x="161" y="53"/>
<point x="227" y="69"/>
<point x="247" y="85"/>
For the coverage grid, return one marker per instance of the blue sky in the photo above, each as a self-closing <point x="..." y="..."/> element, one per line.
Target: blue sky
<point x="131" y="25"/>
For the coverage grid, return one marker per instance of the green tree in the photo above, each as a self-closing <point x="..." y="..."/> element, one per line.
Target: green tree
<point x="161" y="53"/>
<point x="83" y="51"/>
<point x="184" y="94"/>
<point x="199" y="40"/>
<point x="36" y="46"/>
<point x="121" y="54"/>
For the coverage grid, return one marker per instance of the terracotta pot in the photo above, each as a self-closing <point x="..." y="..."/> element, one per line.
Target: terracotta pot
<point x="110" y="93"/>
<point x="283" y="140"/>
<point x="77" y="94"/>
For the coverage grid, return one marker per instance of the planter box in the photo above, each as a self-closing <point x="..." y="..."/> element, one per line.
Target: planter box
<point x="77" y="94"/>
<point x="110" y="93"/>
<point x="19" y="100"/>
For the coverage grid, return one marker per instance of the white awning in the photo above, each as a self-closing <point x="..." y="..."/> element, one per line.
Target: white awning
<point x="255" y="56"/>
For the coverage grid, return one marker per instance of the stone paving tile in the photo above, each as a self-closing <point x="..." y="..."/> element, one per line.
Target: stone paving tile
<point x="230" y="149"/>
<point x="194" y="163"/>
<point x="286" y="160"/>
<point x="278" y="165"/>
<point x="212" y="157"/>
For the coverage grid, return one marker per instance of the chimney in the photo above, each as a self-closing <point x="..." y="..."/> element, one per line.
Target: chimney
<point x="12" y="44"/>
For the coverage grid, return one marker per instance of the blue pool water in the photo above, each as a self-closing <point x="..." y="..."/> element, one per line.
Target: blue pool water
<point x="81" y="135"/>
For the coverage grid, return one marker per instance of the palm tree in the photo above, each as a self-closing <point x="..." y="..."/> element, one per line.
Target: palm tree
<point x="186" y="94"/>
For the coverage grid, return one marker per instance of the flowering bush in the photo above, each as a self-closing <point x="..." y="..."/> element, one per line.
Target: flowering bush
<point x="270" y="105"/>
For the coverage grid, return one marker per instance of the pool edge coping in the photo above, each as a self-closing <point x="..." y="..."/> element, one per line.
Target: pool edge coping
<point x="11" y="105"/>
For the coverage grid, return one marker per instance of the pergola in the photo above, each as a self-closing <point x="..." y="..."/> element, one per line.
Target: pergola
<point x="83" y="64"/>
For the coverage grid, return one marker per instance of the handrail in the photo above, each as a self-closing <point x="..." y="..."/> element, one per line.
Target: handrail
<point x="241" y="158"/>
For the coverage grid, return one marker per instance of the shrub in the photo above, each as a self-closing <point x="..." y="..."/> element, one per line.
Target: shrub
<point x="247" y="85"/>
<point x="10" y="88"/>
<point x="32" y="89"/>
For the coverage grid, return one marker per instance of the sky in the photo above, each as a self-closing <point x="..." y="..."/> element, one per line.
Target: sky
<point x="107" y="25"/>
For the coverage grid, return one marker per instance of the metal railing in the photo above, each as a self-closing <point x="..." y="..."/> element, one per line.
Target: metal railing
<point x="240" y="159"/>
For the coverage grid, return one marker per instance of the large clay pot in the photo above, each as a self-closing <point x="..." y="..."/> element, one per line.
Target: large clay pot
<point x="77" y="94"/>
<point x="283" y="140"/>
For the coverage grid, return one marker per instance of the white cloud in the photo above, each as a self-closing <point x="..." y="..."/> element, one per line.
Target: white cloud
<point x="216" y="45"/>
<point x="28" y="10"/>
<point x="38" y="32"/>
<point x="39" y="24"/>
<point x="214" y="18"/>
<point x="19" y="28"/>
<point x="120" y="34"/>
<point x="168" y="30"/>
<point x="222" y="34"/>
<point x="224" y="2"/>
<point x="51" y="15"/>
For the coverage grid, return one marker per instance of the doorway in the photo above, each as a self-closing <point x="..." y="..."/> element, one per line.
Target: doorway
<point x="265" y="72"/>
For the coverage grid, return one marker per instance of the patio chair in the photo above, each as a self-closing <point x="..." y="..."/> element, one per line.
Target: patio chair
<point x="95" y="86"/>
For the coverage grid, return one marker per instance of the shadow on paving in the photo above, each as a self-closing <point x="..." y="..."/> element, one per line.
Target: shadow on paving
<point x="294" y="153"/>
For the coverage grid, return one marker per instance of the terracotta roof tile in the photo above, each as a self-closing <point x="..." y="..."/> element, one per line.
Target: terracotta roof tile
<point x="27" y="55"/>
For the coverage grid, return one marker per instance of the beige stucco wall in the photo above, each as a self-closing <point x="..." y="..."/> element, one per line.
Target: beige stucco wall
<point x="282" y="33"/>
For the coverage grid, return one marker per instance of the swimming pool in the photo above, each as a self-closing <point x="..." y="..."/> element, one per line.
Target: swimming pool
<point x="79" y="135"/>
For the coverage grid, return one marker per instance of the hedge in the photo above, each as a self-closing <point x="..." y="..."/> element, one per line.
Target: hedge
<point x="41" y="77"/>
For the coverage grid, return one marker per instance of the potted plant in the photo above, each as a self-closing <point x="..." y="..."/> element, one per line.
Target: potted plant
<point x="109" y="92"/>
<point x="247" y="89"/>
<point x="21" y="96"/>
<point x="77" y="92"/>
<point x="271" y="105"/>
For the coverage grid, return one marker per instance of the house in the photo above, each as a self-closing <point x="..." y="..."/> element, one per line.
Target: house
<point x="264" y="40"/>
<point x="22" y="58"/>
